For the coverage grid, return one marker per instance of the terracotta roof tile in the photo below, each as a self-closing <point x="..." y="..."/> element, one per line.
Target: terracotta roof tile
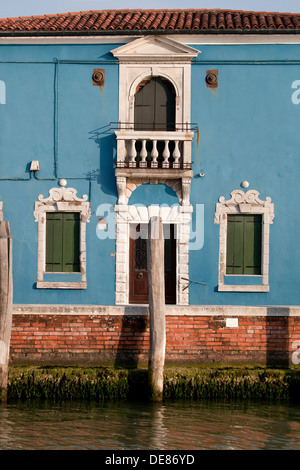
<point x="124" y="21"/>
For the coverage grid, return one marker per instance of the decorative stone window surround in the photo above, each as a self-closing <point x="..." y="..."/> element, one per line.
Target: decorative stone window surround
<point x="61" y="200"/>
<point x="179" y="215"/>
<point x="244" y="203"/>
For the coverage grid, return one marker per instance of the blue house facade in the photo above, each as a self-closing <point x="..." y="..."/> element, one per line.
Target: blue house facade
<point x="108" y="118"/>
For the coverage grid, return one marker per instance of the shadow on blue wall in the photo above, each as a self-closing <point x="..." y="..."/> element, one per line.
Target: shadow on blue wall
<point x="105" y="174"/>
<point x="153" y="194"/>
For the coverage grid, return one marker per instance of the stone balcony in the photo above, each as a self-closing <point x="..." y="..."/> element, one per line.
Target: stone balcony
<point x="156" y="157"/>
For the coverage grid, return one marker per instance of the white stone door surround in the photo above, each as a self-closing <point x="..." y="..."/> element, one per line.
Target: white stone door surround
<point x="178" y="215"/>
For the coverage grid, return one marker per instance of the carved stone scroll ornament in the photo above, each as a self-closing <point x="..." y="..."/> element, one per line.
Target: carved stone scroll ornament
<point x="63" y="199"/>
<point x="121" y="187"/>
<point x="250" y="197"/>
<point x="246" y="203"/>
<point x="186" y="185"/>
<point x="62" y="194"/>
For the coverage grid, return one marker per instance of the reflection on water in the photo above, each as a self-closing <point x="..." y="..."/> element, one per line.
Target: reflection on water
<point x="139" y="426"/>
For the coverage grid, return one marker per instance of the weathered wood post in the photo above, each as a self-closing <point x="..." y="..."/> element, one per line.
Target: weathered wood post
<point x="156" y="283"/>
<point x="6" y="290"/>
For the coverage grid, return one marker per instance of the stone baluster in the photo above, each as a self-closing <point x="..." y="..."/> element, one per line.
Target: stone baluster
<point x="121" y="148"/>
<point x="166" y="155"/>
<point x="132" y="154"/>
<point x="176" y="155"/>
<point x="143" y="155"/>
<point x="154" y="155"/>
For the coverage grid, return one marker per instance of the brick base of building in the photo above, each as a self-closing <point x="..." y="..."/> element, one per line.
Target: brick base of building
<point x="120" y="335"/>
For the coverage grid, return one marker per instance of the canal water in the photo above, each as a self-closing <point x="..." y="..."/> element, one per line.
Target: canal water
<point x="173" y="425"/>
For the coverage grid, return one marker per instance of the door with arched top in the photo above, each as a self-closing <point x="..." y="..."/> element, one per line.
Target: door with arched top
<point x="154" y="106"/>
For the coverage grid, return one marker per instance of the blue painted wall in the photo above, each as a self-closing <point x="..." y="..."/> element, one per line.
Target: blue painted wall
<point x="248" y="130"/>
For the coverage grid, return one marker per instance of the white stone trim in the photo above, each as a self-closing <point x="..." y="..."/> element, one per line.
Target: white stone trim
<point x="244" y="203"/>
<point x="154" y="48"/>
<point x="231" y="311"/>
<point x="1" y="210"/>
<point x="177" y="214"/>
<point x="195" y="39"/>
<point x="61" y="200"/>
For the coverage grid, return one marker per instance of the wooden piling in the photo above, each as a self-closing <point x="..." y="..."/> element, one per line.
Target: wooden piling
<point x="156" y="288"/>
<point x="6" y="291"/>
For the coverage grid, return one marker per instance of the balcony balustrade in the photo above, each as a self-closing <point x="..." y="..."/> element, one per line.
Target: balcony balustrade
<point x="153" y="155"/>
<point x="154" y="149"/>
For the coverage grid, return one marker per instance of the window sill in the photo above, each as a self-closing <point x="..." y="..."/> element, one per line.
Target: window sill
<point x="238" y="283"/>
<point x="61" y="281"/>
<point x="60" y="285"/>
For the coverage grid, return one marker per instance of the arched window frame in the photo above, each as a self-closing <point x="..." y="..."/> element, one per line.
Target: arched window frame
<point x="154" y="56"/>
<point x="146" y="76"/>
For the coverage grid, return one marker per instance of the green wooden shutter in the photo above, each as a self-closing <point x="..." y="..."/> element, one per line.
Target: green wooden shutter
<point x="252" y="244"/>
<point x="234" y="244"/>
<point x="154" y="107"/>
<point x="71" y="262"/>
<point x="244" y="234"/>
<point x="62" y="242"/>
<point x="54" y="242"/>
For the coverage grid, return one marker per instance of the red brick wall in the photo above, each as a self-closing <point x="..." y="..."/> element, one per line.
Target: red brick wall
<point x="114" y="339"/>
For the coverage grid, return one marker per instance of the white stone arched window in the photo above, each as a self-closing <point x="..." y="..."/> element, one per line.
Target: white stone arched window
<point x="154" y="56"/>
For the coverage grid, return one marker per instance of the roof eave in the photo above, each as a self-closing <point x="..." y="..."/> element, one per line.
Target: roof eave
<point x="136" y="32"/>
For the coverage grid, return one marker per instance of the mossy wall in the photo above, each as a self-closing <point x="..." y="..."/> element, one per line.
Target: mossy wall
<point x="104" y="383"/>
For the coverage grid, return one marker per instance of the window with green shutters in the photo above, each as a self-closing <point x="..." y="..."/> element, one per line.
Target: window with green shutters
<point x="62" y="242"/>
<point x="244" y="235"/>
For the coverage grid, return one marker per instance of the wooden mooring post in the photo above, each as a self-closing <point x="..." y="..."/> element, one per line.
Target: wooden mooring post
<point x="156" y="283"/>
<point x="6" y="290"/>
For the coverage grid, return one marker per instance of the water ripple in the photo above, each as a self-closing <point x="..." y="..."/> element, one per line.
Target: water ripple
<point x="139" y="426"/>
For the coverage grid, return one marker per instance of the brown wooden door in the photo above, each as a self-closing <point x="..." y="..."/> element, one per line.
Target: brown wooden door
<point x="138" y="274"/>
